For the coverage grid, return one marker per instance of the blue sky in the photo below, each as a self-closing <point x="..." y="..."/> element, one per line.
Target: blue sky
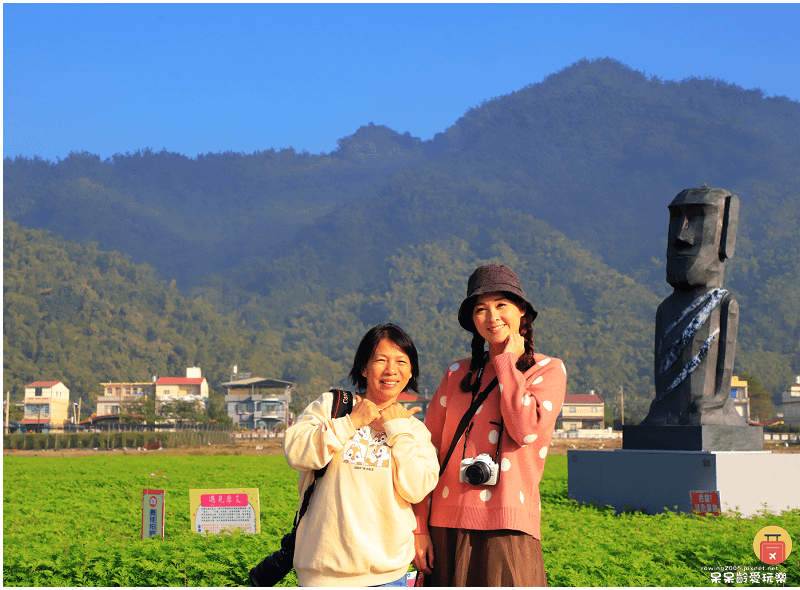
<point x="199" y="78"/>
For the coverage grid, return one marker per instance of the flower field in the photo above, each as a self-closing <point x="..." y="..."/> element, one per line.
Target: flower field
<point x="75" y="521"/>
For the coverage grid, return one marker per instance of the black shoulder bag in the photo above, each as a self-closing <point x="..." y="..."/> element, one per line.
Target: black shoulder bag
<point x="275" y="566"/>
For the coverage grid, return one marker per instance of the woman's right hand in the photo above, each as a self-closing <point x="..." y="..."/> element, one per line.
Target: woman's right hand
<point x="423" y="553"/>
<point x="364" y="412"/>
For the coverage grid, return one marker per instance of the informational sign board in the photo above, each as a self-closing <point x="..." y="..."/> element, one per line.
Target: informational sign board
<point x="705" y="503"/>
<point x="213" y="511"/>
<point x="153" y="513"/>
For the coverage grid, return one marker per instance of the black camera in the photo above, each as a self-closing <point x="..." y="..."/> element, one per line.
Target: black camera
<point x="274" y="567"/>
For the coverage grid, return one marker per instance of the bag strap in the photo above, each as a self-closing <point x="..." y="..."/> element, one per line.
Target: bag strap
<point x="342" y="405"/>
<point x="462" y="426"/>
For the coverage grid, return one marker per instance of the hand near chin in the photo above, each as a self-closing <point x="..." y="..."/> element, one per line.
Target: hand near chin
<point x="364" y="412"/>
<point x="515" y="344"/>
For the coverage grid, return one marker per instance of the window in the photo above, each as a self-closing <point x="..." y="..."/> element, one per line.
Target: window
<point x="594" y="409"/>
<point x="37" y="391"/>
<point x="572" y="409"/>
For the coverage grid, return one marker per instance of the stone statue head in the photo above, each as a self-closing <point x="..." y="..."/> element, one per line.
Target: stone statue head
<point x="702" y="234"/>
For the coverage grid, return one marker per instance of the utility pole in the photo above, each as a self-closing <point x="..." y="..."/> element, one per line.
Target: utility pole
<point x="622" y="400"/>
<point x="8" y="407"/>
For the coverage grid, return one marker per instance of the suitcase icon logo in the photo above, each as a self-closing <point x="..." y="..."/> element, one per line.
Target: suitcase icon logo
<point x="772" y="545"/>
<point x="773" y="551"/>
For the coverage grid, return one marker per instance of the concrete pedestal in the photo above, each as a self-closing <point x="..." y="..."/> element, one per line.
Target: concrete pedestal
<point x="657" y="481"/>
<point x="706" y="437"/>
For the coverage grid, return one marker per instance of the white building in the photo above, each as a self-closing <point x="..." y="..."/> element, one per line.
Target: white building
<point x="790" y="403"/>
<point x="46" y="406"/>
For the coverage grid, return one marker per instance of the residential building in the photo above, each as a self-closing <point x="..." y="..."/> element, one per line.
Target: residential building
<point x="46" y="406"/>
<point x="790" y="403"/>
<point x="741" y="399"/>
<point x="584" y="411"/>
<point x="117" y="396"/>
<point x="192" y="389"/>
<point x="250" y="406"/>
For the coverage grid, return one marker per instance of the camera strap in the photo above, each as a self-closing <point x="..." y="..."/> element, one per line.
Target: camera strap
<point x="342" y="405"/>
<point x="476" y="403"/>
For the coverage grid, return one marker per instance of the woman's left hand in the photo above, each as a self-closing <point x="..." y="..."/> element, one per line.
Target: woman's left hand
<point x="515" y="344"/>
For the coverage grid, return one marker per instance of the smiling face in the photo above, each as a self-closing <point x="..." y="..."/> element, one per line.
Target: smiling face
<point x="496" y="317"/>
<point x="387" y="373"/>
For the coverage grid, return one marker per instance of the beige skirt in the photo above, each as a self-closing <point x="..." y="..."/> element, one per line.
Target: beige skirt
<point x="463" y="557"/>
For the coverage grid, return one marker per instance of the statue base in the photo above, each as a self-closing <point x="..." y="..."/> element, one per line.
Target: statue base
<point x="748" y="482"/>
<point x="706" y="437"/>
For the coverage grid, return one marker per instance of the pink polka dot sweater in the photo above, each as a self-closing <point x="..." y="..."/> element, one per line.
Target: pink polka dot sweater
<point x="529" y="404"/>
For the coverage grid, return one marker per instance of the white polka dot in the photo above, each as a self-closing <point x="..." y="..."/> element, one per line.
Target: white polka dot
<point x="530" y="438"/>
<point x="454" y="367"/>
<point x="543" y="452"/>
<point x="526" y="400"/>
<point x="493" y="437"/>
<point x="443" y="401"/>
<point x="538" y="380"/>
<point x="548" y="405"/>
<point x="563" y="368"/>
<point x="485" y="495"/>
<point x="505" y="464"/>
<point x="501" y="388"/>
<point x="445" y="492"/>
<point x="544" y="361"/>
<point x="478" y="411"/>
<point x="521" y="498"/>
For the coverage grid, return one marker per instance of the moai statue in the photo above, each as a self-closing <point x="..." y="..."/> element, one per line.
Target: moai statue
<point x="695" y="336"/>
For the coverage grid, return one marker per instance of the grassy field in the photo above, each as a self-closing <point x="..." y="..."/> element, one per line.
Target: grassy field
<point x="75" y="521"/>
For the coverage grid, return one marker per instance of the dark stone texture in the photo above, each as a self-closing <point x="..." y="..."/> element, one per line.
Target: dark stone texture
<point x="704" y="437"/>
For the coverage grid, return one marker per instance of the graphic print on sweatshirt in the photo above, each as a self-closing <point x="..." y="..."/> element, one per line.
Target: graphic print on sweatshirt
<point x="368" y="447"/>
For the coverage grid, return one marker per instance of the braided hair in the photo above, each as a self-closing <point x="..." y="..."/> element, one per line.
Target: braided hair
<point x="524" y="362"/>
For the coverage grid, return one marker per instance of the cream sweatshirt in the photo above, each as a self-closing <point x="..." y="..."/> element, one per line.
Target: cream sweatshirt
<point x="359" y="527"/>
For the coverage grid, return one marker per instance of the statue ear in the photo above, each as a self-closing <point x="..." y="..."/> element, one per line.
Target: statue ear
<point x="730" y="223"/>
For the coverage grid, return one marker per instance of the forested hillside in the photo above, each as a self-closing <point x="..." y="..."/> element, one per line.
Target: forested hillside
<point x="83" y="316"/>
<point x="566" y="180"/>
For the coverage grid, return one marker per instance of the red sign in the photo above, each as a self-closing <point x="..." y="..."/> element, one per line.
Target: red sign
<point x="705" y="503"/>
<point x="234" y="500"/>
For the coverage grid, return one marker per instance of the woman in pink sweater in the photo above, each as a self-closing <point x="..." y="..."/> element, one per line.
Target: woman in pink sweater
<point x="481" y="524"/>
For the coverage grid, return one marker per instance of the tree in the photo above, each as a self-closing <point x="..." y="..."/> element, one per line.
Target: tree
<point x="761" y="407"/>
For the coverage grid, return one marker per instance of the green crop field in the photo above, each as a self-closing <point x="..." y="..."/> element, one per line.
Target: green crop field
<point x="75" y="521"/>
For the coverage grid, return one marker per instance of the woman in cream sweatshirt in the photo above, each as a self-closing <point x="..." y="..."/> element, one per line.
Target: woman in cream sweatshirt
<point x="359" y="527"/>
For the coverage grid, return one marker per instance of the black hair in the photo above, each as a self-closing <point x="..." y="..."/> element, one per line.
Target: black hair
<point x="524" y="362"/>
<point x="369" y="343"/>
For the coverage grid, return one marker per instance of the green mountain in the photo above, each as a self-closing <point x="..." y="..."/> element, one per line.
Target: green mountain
<point x="566" y="180"/>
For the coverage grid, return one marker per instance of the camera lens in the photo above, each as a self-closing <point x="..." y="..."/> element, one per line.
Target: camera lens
<point x="478" y="473"/>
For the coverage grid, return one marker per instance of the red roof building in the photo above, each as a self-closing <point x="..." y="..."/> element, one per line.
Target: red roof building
<point x="583" y="411"/>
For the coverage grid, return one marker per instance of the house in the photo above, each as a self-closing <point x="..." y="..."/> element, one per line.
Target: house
<point x="192" y="389"/>
<point x="409" y="400"/>
<point x="116" y="396"/>
<point x="46" y="406"/>
<point x="250" y="406"/>
<point x="790" y="403"/>
<point x="741" y="399"/>
<point x="583" y="412"/>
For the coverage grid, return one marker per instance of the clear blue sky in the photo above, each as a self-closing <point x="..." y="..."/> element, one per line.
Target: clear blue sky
<point x="199" y="78"/>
